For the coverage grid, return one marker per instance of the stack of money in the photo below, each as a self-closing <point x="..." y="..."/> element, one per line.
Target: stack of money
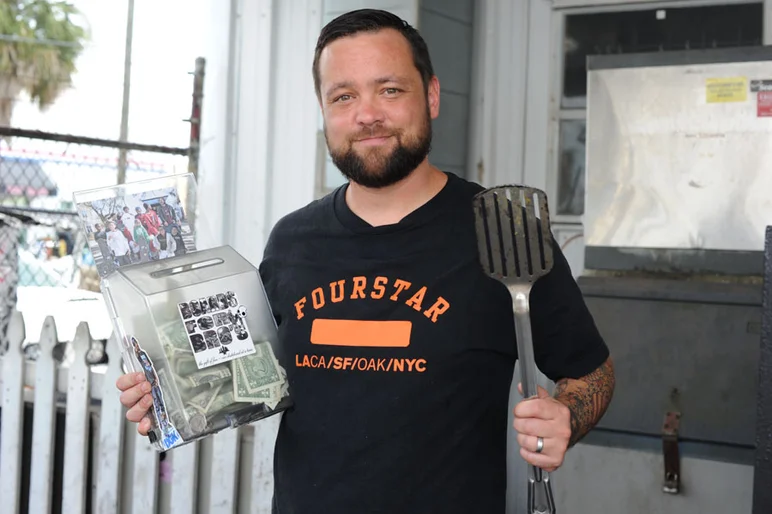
<point x="208" y="394"/>
<point x="258" y="378"/>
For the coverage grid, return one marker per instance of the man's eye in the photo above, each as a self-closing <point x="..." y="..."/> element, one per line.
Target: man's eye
<point x="342" y="98"/>
<point x="392" y="90"/>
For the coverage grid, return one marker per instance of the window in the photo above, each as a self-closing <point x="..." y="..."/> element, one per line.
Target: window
<point x="652" y="30"/>
<point x="571" y="171"/>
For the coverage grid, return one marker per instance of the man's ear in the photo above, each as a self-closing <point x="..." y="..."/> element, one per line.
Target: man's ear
<point x="433" y="97"/>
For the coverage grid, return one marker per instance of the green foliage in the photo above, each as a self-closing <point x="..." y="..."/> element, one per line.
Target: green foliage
<point x="40" y="41"/>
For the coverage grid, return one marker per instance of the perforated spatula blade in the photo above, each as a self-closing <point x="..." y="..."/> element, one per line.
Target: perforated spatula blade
<point x="515" y="247"/>
<point x="513" y="233"/>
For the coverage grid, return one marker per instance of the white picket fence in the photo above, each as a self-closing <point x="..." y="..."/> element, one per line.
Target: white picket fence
<point x="230" y="472"/>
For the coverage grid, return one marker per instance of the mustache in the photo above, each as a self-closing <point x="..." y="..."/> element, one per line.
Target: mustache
<point x="373" y="132"/>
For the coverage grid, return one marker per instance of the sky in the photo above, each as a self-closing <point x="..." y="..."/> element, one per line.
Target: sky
<point x="168" y="36"/>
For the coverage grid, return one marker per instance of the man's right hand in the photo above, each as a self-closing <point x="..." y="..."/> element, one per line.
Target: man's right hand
<point x="135" y="396"/>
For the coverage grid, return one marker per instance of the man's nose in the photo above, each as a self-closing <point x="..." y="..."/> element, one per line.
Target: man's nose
<point x="369" y="112"/>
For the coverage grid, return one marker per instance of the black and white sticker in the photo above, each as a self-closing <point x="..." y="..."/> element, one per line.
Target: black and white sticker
<point x="216" y="327"/>
<point x="760" y="85"/>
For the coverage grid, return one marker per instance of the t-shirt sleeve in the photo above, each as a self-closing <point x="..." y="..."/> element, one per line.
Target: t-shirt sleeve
<point x="567" y="343"/>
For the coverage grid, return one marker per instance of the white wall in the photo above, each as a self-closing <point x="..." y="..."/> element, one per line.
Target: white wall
<point x="214" y="131"/>
<point x="447" y="27"/>
<point x="258" y="155"/>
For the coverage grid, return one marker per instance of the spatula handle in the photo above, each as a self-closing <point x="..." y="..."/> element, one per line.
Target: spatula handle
<point x="522" y="310"/>
<point x="540" y="498"/>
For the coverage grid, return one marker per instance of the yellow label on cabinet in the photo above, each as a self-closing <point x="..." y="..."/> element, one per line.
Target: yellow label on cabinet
<point x="731" y="89"/>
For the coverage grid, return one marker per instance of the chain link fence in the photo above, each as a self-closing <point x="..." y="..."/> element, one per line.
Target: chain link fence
<point x="39" y="172"/>
<point x="42" y="242"/>
<point x="44" y="249"/>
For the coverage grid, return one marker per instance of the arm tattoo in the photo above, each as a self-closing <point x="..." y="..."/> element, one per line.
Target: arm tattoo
<point x="587" y="398"/>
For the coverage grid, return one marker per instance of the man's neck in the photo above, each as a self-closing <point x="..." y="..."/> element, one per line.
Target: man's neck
<point x="388" y="205"/>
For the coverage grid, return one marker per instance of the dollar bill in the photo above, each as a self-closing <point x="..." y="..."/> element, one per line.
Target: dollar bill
<point x="182" y="415"/>
<point x="243" y="392"/>
<point x="284" y="388"/>
<point x="174" y="335"/>
<point x="274" y="398"/>
<point x="177" y="349"/>
<point x="175" y="354"/>
<point x="184" y="365"/>
<point x="260" y="368"/>
<point x="204" y="400"/>
<point x="212" y="376"/>
<point x="224" y="399"/>
<point x="273" y="402"/>
<point x="260" y="379"/>
<point x="257" y="376"/>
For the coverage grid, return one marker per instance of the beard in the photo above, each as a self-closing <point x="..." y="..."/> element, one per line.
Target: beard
<point x="376" y="169"/>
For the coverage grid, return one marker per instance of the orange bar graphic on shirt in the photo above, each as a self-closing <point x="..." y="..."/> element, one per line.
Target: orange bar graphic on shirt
<point x="345" y="332"/>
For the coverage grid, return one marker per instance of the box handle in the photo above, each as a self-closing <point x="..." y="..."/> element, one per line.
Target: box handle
<point x="176" y="270"/>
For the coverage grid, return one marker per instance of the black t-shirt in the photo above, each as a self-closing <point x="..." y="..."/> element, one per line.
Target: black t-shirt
<point x="400" y="354"/>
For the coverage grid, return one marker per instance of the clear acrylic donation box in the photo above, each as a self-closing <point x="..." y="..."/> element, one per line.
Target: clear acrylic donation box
<point x="200" y="327"/>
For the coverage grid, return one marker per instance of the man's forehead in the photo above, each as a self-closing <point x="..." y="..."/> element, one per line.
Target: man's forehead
<point x="367" y="57"/>
<point x="385" y="45"/>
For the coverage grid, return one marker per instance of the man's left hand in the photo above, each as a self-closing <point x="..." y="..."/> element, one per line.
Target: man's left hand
<point x="542" y="416"/>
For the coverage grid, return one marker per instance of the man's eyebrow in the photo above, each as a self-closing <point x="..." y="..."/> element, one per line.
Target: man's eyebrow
<point x="380" y="80"/>
<point x="338" y="85"/>
<point x="391" y="78"/>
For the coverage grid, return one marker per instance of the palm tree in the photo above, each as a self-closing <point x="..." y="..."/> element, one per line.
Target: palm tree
<point x="40" y="41"/>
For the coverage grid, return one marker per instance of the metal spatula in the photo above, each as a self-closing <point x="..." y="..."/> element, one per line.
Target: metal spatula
<point x="515" y="247"/>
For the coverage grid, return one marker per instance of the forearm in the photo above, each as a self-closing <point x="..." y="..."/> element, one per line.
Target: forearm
<point x="587" y="398"/>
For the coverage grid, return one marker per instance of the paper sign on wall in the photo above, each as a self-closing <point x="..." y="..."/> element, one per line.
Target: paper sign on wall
<point x="723" y="90"/>
<point x="764" y="104"/>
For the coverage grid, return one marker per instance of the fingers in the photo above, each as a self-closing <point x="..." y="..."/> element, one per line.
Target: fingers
<point x="540" y="391"/>
<point x="136" y="413"/>
<point x="541" y="408"/>
<point x="529" y="442"/>
<point x="549" y="459"/>
<point x="548" y="429"/>
<point x="534" y="427"/>
<point x="545" y="417"/>
<point x="143" y="427"/>
<point x="541" y="460"/>
<point x="132" y="395"/>
<point x="128" y="380"/>
<point x="136" y="397"/>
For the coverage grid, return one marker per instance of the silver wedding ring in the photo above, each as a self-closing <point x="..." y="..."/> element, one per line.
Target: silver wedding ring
<point x="539" y="444"/>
